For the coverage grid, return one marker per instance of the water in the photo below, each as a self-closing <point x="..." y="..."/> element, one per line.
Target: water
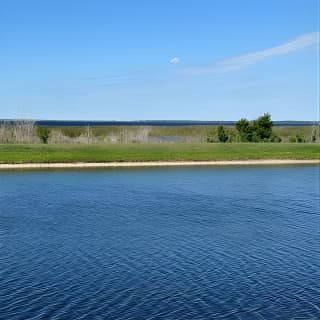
<point x="165" y="243"/>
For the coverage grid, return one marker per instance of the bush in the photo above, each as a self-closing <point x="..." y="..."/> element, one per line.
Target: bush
<point x="275" y="138"/>
<point x="258" y="130"/>
<point x="263" y="127"/>
<point x="300" y="138"/>
<point x="244" y="128"/>
<point x="222" y="134"/>
<point x="43" y="133"/>
<point x="210" y="138"/>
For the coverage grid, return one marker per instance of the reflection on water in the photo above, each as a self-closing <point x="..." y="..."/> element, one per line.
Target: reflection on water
<point x="170" y="243"/>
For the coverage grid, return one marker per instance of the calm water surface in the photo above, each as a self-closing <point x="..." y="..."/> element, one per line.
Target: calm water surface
<point x="165" y="243"/>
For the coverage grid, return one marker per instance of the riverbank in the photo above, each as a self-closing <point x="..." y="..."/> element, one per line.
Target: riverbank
<point x="155" y="164"/>
<point x="155" y="152"/>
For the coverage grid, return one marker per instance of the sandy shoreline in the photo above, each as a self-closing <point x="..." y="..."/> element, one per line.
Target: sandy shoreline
<point x="4" y="166"/>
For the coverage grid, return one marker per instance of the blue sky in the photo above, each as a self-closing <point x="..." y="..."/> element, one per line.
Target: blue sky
<point x="134" y="60"/>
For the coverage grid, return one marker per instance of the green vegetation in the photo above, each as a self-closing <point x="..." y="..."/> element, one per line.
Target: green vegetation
<point x="28" y="153"/>
<point x="258" y="130"/>
<point x="245" y="131"/>
<point x="262" y="127"/>
<point x="123" y="134"/>
<point x="186" y="132"/>
<point x="43" y="133"/>
<point x="222" y="134"/>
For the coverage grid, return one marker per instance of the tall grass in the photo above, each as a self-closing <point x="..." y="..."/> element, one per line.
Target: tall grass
<point x="25" y="132"/>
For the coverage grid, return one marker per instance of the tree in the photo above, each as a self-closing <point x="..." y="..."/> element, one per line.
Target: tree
<point x="222" y="134"/>
<point x="43" y="133"/>
<point x="245" y="129"/>
<point x="257" y="130"/>
<point x="262" y="127"/>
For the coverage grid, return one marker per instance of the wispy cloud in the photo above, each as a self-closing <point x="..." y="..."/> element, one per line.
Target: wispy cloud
<point x="246" y="60"/>
<point x="175" y="60"/>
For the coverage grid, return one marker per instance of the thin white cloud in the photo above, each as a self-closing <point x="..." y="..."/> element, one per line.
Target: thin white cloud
<point x="175" y="60"/>
<point x="243" y="61"/>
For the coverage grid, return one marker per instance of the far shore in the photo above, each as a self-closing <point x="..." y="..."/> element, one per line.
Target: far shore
<point x="5" y="166"/>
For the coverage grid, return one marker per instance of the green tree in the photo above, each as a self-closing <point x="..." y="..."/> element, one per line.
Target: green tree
<point x="259" y="129"/>
<point x="245" y="129"/>
<point x="43" y="133"/>
<point x="263" y="127"/>
<point x="222" y="134"/>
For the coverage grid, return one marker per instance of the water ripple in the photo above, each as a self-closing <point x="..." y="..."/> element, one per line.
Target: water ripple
<point x="204" y="243"/>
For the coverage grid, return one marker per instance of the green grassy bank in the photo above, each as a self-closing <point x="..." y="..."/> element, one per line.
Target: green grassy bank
<point x="155" y="152"/>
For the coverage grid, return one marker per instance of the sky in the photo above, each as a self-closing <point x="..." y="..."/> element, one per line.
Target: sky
<point x="159" y="60"/>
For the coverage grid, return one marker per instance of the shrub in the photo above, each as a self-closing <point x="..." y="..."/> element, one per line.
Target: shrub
<point x="244" y="128"/>
<point x="300" y="138"/>
<point x="210" y="138"/>
<point x="275" y="138"/>
<point x="258" y="130"/>
<point x="43" y="133"/>
<point x="263" y="126"/>
<point x="222" y="134"/>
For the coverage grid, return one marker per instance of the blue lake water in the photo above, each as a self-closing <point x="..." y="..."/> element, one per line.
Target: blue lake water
<point x="162" y="243"/>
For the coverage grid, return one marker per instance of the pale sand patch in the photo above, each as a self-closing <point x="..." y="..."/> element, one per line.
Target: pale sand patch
<point x="155" y="164"/>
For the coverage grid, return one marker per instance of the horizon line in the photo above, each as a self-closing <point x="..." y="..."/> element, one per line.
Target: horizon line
<point x="47" y="122"/>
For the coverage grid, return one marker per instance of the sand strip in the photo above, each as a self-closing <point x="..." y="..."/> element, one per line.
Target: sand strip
<point x="155" y="164"/>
